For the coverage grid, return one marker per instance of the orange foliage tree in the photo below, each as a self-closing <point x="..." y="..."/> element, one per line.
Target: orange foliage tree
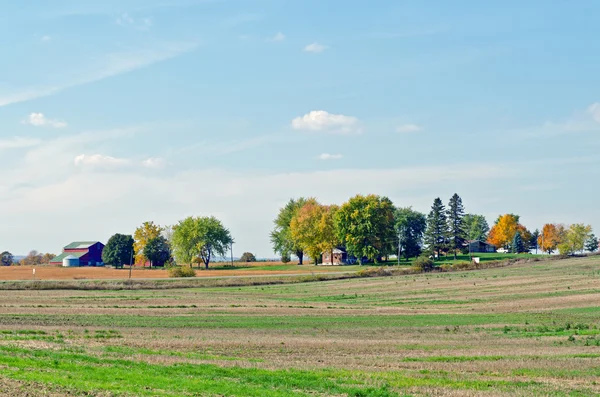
<point x="552" y="235"/>
<point x="503" y="232"/>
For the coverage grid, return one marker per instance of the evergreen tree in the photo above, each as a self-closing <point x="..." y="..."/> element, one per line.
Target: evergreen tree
<point x="592" y="243"/>
<point x="436" y="235"/>
<point x="456" y="225"/>
<point x="533" y="242"/>
<point x="517" y="243"/>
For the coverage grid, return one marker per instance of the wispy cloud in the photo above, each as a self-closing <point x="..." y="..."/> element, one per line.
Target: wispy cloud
<point x="407" y="128"/>
<point x="99" y="160"/>
<point x="320" y="120"/>
<point x="127" y="20"/>
<point x="154" y="162"/>
<point x="46" y="38"/>
<point x="19" y="142"/>
<point x="279" y="37"/>
<point x="329" y="156"/>
<point x="106" y="66"/>
<point x="315" y="48"/>
<point x="581" y="122"/>
<point x="594" y="111"/>
<point x="39" y="120"/>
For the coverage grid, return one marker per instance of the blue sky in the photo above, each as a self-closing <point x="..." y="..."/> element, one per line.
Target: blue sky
<point x="113" y="113"/>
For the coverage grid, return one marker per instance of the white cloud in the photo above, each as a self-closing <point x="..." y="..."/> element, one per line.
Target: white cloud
<point x="320" y="120"/>
<point x="18" y="142"/>
<point x="408" y="128"/>
<point x="277" y="38"/>
<point x="154" y="162"/>
<point x="315" y="48"/>
<point x="99" y="160"/>
<point x="46" y="38"/>
<point x="328" y="156"/>
<point x="106" y="66"/>
<point x="594" y="111"/>
<point x="127" y="20"/>
<point x="39" y="120"/>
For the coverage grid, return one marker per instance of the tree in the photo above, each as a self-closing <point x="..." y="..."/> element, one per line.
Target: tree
<point x="247" y="257"/>
<point x="200" y="237"/>
<point x="410" y="227"/>
<point x="525" y="237"/>
<point x="6" y="259"/>
<point x="591" y="244"/>
<point x="365" y="226"/>
<point x="574" y="239"/>
<point x="476" y="227"/>
<point x="313" y="227"/>
<point x="281" y="236"/>
<point x="533" y="241"/>
<point x="517" y="244"/>
<point x="143" y="234"/>
<point x="503" y="232"/>
<point x="456" y="226"/>
<point x="32" y="259"/>
<point x="157" y="251"/>
<point x="118" y="250"/>
<point x="552" y="235"/>
<point x="436" y="234"/>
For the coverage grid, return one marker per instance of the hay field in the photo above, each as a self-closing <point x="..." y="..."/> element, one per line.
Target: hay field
<point x="525" y="330"/>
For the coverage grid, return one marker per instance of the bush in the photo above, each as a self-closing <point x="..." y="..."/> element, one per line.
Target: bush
<point x="423" y="264"/>
<point x="181" y="271"/>
<point x="446" y="267"/>
<point x="248" y="257"/>
<point x="286" y="258"/>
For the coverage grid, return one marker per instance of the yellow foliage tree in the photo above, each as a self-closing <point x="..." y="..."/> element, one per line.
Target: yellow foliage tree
<point x="146" y="232"/>
<point x="552" y="235"/>
<point x="313" y="227"/>
<point x="503" y="232"/>
<point x="574" y="239"/>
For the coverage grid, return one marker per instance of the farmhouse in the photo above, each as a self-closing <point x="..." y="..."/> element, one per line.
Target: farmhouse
<point x="479" y="246"/>
<point x="80" y="253"/>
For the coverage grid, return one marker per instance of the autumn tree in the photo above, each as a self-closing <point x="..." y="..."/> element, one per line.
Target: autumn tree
<point x="118" y="250"/>
<point x="200" y="237"/>
<point x="503" y="232"/>
<point x="281" y="236"/>
<point x="436" y="234"/>
<point x="313" y="227"/>
<point x="476" y="227"/>
<point x="574" y="239"/>
<point x="552" y="235"/>
<point x="410" y="227"/>
<point x="6" y="259"/>
<point x="157" y="251"/>
<point x="591" y="244"/>
<point x="365" y="225"/>
<point x="247" y="257"/>
<point x="143" y="234"/>
<point x="456" y="225"/>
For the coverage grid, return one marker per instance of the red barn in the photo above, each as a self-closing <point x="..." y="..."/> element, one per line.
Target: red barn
<point x="89" y="253"/>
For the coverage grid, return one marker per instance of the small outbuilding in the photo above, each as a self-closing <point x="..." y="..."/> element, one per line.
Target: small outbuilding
<point x="480" y="246"/>
<point x="340" y="257"/>
<point x="80" y="253"/>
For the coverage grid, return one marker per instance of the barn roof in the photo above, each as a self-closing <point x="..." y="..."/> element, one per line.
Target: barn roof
<point x="80" y="244"/>
<point x="62" y="256"/>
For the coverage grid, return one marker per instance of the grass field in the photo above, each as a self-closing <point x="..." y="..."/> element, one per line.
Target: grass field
<point x="525" y="330"/>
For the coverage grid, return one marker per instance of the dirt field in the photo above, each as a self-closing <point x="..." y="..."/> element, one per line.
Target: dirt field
<point x="101" y="273"/>
<point x="526" y="330"/>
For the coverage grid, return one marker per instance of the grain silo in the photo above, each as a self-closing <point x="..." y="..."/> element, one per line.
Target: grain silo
<point x="70" y="261"/>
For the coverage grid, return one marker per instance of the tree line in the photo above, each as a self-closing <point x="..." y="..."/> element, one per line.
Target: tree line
<point x="372" y="228"/>
<point x="34" y="258"/>
<point x="193" y="240"/>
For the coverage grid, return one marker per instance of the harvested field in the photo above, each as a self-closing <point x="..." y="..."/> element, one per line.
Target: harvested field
<point x="525" y="330"/>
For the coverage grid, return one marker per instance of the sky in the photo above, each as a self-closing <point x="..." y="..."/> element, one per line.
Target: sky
<point x="113" y="113"/>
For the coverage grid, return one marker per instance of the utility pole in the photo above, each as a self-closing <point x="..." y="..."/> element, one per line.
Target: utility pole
<point x="231" y="245"/>
<point x="130" y="263"/>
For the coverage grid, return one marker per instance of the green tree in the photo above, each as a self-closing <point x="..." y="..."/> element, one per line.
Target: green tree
<point x="410" y="227"/>
<point x="436" y="234"/>
<point x="118" y="250"/>
<point x="591" y="244"/>
<point x="200" y="237"/>
<point x="281" y="236"/>
<point x="517" y="243"/>
<point x="6" y="259"/>
<point x="574" y="239"/>
<point x="456" y="225"/>
<point x="533" y="241"/>
<point x="247" y="257"/>
<point x="365" y="226"/>
<point x="476" y="227"/>
<point x="157" y="251"/>
<point x="143" y="234"/>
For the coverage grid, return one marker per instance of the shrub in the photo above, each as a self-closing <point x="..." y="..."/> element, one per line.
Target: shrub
<point x="446" y="267"/>
<point x="286" y="258"/>
<point x="247" y="257"/>
<point x="423" y="264"/>
<point x="181" y="271"/>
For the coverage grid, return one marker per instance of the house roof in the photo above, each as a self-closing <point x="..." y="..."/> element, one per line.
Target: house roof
<point x="478" y="241"/>
<point x="335" y="251"/>
<point x="62" y="256"/>
<point x="80" y="244"/>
